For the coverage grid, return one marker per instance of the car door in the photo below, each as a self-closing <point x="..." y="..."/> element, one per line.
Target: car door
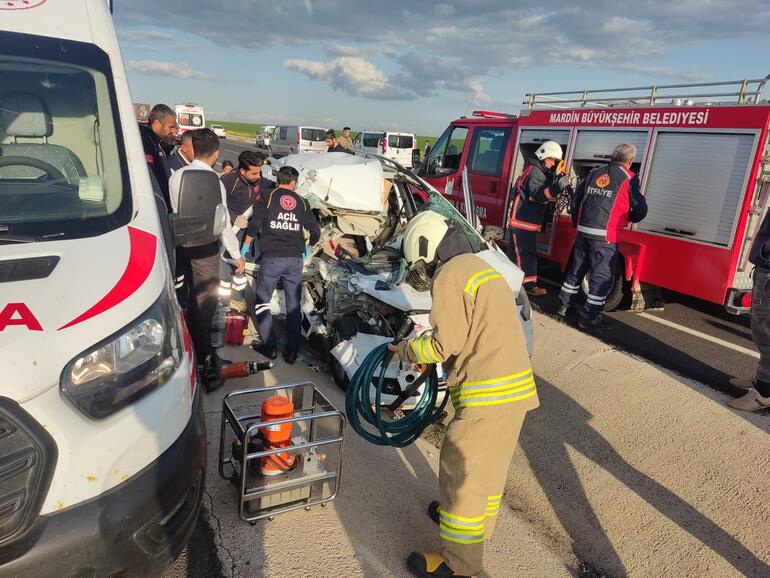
<point x="488" y="167"/>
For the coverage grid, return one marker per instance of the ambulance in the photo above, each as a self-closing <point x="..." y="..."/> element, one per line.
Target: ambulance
<point x="102" y="437"/>
<point x="703" y="159"/>
<point x="189" y="117"/>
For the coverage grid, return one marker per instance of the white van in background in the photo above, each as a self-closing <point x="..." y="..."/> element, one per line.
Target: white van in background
<point x="102" y="437"/>
<point x="397" y="146"/>
<point x="297" y="140"/>
<point x="263" y="136"/>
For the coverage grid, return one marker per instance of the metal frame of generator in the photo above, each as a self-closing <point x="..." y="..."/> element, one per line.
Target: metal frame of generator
<point x="317" y="430"/>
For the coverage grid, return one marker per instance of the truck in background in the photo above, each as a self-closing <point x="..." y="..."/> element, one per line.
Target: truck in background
<point x="703" y="166"/>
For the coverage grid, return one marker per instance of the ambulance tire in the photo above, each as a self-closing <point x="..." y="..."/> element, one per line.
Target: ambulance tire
<point x="618" y="293"/>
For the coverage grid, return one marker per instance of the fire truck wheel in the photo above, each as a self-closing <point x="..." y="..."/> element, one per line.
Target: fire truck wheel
<point x="618" y="293"/>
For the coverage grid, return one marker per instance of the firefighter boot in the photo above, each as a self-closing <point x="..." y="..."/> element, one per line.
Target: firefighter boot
<point x="430" y="565"/>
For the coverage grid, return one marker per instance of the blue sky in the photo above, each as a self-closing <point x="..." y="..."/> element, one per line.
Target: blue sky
<point x="418" y="65"/>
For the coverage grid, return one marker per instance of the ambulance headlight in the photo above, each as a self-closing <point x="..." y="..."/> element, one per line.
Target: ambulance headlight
<point x="127" y="365"/>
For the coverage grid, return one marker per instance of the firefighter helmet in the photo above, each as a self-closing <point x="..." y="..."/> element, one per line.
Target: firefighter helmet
<point x="549" y="150"/>
<point x="422" y="237"/>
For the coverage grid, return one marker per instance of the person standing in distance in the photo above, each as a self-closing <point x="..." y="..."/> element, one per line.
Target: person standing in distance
<point x="537" y="186"/>
<point x="603" y="204"/>
<point x="492" y="389"/>
<point x="345" y="139"/>
<point x="199" y="266"/>
<point x="161" y="126"/>
<point x="281" y="219"/>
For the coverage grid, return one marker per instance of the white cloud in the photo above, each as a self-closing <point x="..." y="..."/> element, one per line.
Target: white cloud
<point x="351" y="74"/>
<point x="145" y="35"/>
<point x="176" y="69"/>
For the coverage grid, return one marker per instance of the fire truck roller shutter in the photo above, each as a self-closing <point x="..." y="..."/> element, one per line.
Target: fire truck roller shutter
<point x="695" y="184"/>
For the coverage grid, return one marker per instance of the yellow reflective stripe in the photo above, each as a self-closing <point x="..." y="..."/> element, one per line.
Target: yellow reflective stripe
<point x="476" y="276"/>
<point x="424" y="350"/>
<point x="499" y="379"/>
<point x="502" y="390"/>
<point x="497" y="497"/>
<point x="495" y="402"/>
<point x="432" y="351"/>
<point x="458" y="540"/>
<point x="461" y="519"/>
<point x="465" y="388"/>
<point x="461" y="531"/>
<point x="416" y="345"/>
<point x="484" y="280"/>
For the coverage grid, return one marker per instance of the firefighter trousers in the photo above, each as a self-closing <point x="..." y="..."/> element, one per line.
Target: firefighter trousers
<point x="760" y="321"/>
<point x="597" y="259"/>
<point x="475" y="456"/>
<point x="524" y="248"/>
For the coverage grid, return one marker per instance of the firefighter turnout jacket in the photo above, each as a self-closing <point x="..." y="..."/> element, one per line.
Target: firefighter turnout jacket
<point x="282" y="217"/>
<point x="533" y="190"/>
<point x="606" y="201"/>
<point x="477" y="335"/>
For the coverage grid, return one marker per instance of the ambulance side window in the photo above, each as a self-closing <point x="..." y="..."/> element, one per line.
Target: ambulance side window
<point x="488" y="150"/>
<point x="445" y="157"/>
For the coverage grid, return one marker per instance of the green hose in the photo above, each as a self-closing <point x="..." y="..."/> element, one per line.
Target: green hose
<point x="399" y="432"/>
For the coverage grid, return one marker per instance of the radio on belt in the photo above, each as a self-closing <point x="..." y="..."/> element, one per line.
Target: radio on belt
<point x="282" y="449"/>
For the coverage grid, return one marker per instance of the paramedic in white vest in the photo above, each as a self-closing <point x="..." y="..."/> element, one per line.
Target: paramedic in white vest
<point x="603" y="204"/>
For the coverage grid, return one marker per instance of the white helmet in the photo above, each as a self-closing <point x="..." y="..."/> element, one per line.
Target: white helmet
<point x="422" y="237"/>
<point x="549" y="150"/>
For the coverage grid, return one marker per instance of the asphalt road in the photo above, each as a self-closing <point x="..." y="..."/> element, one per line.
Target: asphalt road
<point x="691" y="337"/>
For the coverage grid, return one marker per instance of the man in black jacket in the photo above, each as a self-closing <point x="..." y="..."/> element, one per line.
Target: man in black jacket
<point x="281" y="219"/>
<point x="160" y="128"/>
<point x="758" y="395"/>
<point x="333" y="145"/>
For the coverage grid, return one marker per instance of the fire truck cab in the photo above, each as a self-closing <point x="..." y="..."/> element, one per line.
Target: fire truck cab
<point x="703" y="160"/>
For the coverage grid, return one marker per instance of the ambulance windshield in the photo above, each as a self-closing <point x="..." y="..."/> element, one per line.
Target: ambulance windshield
<point x="62" y="169"/>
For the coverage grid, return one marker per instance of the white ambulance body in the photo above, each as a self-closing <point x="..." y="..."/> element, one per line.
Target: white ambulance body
<point x="102" y="441"/>
<point x="189" y="117"/>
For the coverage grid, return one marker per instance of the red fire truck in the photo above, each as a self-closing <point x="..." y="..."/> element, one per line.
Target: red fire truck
<point x="703" y="158"/>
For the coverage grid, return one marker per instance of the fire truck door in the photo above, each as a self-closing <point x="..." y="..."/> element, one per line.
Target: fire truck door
<point x="524" y="154"/>
<point x="488" y="161"/>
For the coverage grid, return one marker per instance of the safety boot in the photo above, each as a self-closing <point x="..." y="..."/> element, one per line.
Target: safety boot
<point x="430" y="565"/>
<point x="598" y="325"/>
<point x="562" y="311"/>
<point x="536" y="291"/>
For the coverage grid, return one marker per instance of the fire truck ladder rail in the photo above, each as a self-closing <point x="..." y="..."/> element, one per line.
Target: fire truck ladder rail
<point x="748" y="91"/>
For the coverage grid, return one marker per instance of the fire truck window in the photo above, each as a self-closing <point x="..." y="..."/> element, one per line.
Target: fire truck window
<point x="445" y="157"/>
<point x="489" y="145"/>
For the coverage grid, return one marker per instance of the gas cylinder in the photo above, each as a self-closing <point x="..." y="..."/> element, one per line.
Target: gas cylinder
<point x="277" y="436"/>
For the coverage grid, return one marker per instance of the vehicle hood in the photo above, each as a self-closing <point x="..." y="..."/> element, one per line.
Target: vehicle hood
<point x="96" y="287"/>
<point x="338" y="180"/>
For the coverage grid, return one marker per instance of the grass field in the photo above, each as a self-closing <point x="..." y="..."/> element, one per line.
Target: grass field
<point x="249" y="130"/>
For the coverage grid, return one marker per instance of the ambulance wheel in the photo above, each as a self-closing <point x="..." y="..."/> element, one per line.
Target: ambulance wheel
<point x="618" y="293"/>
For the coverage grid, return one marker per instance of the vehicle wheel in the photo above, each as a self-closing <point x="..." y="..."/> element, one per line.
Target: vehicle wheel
<point x="618" y="291"/>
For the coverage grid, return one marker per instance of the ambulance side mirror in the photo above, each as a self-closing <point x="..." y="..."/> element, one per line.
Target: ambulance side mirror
<point x="201" y="217"/>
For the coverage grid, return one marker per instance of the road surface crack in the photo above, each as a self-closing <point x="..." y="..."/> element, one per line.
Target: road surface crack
<point x="218" y="530"/>
<point x="584" y="361"/>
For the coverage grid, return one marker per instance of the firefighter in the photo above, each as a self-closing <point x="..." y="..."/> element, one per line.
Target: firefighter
<point x="492" y="388"/>
<point x="281" y="219"/>
<point x="537" y="186"/>
<point x="603" y="204"/>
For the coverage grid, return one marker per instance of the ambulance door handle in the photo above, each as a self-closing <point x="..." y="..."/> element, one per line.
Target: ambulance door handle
<point x="493" y="187"/>
<point x="678" y="231"/>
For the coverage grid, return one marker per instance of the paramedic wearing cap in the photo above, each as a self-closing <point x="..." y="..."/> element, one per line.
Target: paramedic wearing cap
<point x="492" y="388"/>
<point x="603" y="204"/>
<point x="537" y="186"/>
<point x="199" y="266"/>
<point x="281" y="219"/>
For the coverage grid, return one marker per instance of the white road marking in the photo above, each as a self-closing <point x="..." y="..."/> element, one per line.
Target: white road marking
<point x="711" y="338"/>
